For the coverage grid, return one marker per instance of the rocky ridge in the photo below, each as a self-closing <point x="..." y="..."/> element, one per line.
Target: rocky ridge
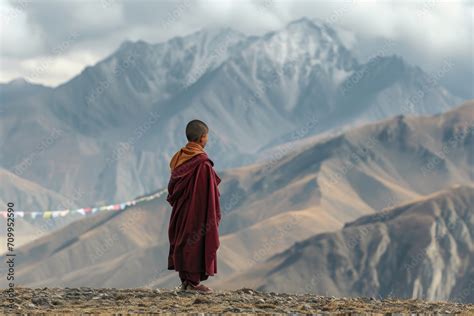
<point x="244" y="300"/>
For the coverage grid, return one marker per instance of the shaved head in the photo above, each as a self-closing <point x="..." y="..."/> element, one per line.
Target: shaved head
<point x="195" y="129"/>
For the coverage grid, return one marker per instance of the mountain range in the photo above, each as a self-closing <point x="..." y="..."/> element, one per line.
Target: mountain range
<point x="420" y="249"/>
<point x="379" y="197"/>
<point x="110" y="131"/>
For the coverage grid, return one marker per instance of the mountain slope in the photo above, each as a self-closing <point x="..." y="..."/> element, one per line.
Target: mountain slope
<point x="112" y="129"/>
<point x="162" y="300"/>
<point x="14" y="188"/>
<point x="420" y="249"/>
<point x="269" y="206"/>
<point x="23" y="194"/>
<point x="374" y="165"/>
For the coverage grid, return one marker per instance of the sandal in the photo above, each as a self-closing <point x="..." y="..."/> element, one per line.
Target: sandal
<point x="201" y="288"/>
<point x="183" y="286"/>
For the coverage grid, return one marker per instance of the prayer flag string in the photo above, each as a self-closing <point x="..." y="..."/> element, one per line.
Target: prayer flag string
<point x="83" y="211"/>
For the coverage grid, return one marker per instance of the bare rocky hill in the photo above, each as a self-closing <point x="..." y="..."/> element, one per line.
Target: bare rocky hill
<point x="142" y="300"/>
<point x="111" y="130"/>
<point x="266" y="207"/>
<point x="421" y="249"/>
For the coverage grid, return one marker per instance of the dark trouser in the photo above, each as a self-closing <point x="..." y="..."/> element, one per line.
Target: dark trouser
<point x="193" y="278"/>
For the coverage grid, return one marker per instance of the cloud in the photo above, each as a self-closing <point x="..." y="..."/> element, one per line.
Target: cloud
<point x="426" y="32"/>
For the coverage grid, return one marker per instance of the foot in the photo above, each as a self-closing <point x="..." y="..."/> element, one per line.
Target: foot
<point x="201" y="288"/>
<point x="183" y="286"/>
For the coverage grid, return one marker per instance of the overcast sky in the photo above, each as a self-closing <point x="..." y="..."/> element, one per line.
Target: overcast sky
<point x="50" y="42"/>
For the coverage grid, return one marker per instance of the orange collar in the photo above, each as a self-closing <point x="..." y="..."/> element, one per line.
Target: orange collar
<point x="187" y="152"/>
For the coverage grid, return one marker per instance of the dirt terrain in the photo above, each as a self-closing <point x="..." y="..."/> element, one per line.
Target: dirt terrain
<point x="142" y="300"/>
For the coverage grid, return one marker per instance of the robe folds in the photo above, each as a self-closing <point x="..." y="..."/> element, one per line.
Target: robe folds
<point x="195" y="216"/>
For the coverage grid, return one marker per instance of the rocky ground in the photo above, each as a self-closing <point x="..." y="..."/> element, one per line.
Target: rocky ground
<point x="111" y="300"/>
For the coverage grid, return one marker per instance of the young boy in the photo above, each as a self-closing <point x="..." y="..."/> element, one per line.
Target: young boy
<point x="195" y="217"/>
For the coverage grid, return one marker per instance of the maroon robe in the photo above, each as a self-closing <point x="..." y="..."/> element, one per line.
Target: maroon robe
<point x="195" y="217"/>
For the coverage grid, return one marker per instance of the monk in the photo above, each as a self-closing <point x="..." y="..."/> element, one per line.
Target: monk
<point x="195" y="216"/>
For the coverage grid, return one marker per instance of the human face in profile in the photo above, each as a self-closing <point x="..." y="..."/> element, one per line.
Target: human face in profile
<point x="203" y="140"/>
